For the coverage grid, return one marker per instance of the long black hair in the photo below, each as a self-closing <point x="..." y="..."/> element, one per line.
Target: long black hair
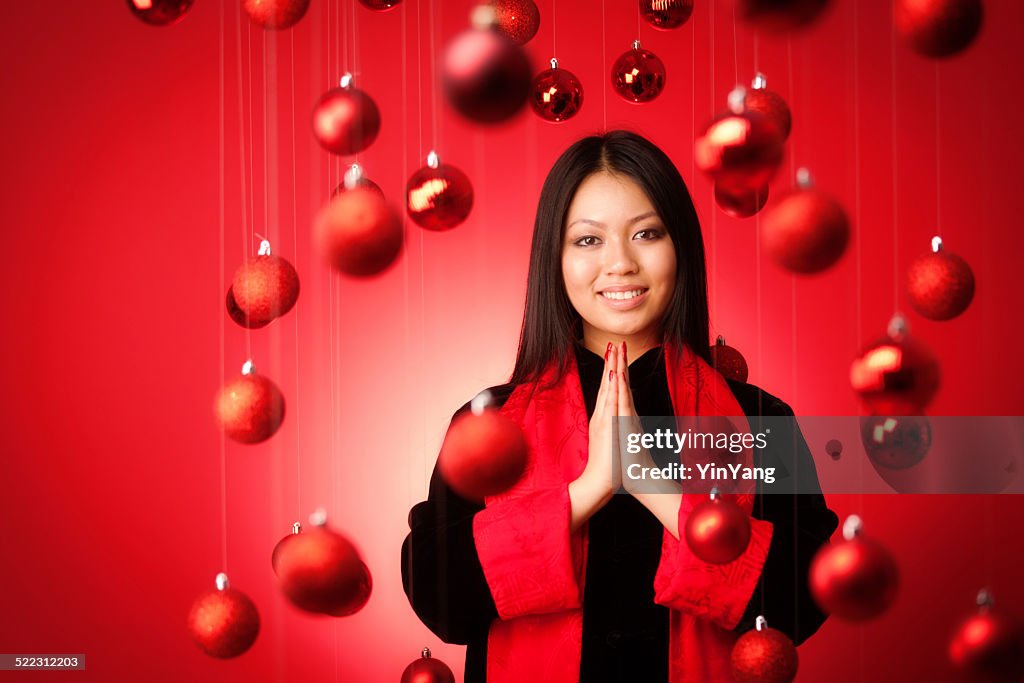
<point x="551" y="326"/>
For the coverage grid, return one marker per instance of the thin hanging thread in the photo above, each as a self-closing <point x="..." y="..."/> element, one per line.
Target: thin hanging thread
<point x="938" y="155"/>
<point x="714" y="212"/>
<point x="856" y="175"/>
<point x="604" y="61"/>
<point x="221" y="197"/>
<point x="421" y="238"/>
<point x="792" y="278"/>
<point x="554" y="17"/>
<point x="295" y="255"/>
<point x="895" y="180"/>
<point x="242" y="172"/>
<point x="405" y="284"/>
<point x="435" y="107"/>
<point x="757" y="301"/>
<point x="735" y="48"/>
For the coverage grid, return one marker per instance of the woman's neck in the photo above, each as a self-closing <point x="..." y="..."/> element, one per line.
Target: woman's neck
<point x="636" y="344"/>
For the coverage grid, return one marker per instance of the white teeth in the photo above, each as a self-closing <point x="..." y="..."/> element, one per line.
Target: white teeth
<point x="622" y="295"/>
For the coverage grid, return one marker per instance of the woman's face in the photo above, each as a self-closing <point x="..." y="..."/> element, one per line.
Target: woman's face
<point x="616" y="246"/>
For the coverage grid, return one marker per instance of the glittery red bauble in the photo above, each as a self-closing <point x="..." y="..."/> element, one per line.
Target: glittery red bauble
<point x="739" y="150"/>
<point x="239" y="316"/>
<point x="938" y="28"/>
<point x="989" y="646"/>
<point x="895" y="376"/>
<point x="717" y="531"/>
<point x="250" y="408"/>
<point x="741" y="202"/>
<point x="345" y="120"/>
<point x="518" y="20"/>
<point x="276" y="553"/>
<point x="426" y="669"/>
<point x="638" y="75"/>
<point x="805" y="232"/>
<point x="380" y="5"/>
<point x="224" y="623"/>
<point x="854" y="579"/>
<point x="359" y="233"/>
<point x="557" y="95"/>
<point x="321" y="571"/>
<point x="482" y="455"/>
<point x="275" y="14"/>
<point x="779" y="15"/>
<point x="770" y="105"/>
<point x="765" y="656"/>
<point x="940" y="285"/>
<point x="362" y="182"/>
<point x="728" y="361"/>
<point x="666" y="14"/>
<point x="438" y="198"/>
<point x="896" y="442"/>
<point x="265" y="287"/>
<point x="486" y="77"/>
<point x="159" y="12"/>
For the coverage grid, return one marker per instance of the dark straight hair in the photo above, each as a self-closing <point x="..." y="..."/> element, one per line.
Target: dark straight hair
<point x="551" y="326"/>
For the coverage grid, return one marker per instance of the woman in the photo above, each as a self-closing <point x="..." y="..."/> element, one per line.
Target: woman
<point x="559" y="579"/>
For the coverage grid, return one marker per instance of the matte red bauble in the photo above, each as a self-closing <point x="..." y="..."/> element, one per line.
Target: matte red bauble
<point x="740" y="148"/>
<point x="896" y="375"/>
<point x="159" y="12"/>
<point x="638" y="75"/>
<point x="855" y="578"/>
<point x="517" y="20"/>
<point x="938" y="28"/>
<point x="482" y="454"/>
<point x="380" y="5"/>
<point x="296" y="530"/>
<point x="345" y="119"/>
<point x="239" y="316"/>
<point x="486" y="77"/>
<point x="806" y="231"/>
<point x="764" y="655"/>
<point x="557" y="94"/>
<point x="740" y="202"/>
<point x="896" y="442"/>
<point x="728" y="361"/>
<point x="779" y="15"/>
<point x="359" y="233"/>
<point x="354" y="178"/>
<point x="426" y="669"/>
<point x="770" y="105"/>
<point x="265" y="287"/>
<point x="989" y="645"/>
<point x="250" y="408"/>
<point x="275" y="14"/>
<point x="224" y="622"/>
<point x="940" y="285"/>
<point x="717" y="531"/>
<point x="666" y="14"/>
<point x="438" y="196"/>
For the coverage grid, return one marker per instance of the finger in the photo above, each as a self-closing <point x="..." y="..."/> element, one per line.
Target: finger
<point x="602" y="390"/>
<point x="624" y="402"/>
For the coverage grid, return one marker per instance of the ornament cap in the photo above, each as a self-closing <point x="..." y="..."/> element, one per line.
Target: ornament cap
<point x="714" y="493"/>
<point x="296" y="528"/>
<point x="985" y="600"/>
<point x="804" y="180"/>
<point x="481" y="402"/>
<point x="248" y="368"/>
<point x="352" y="176"/>
<point x="898" y="326"/>
<point x="346" y="80"/>
<point x="636" y="44"/>
<point x="737" y="99"/>
<point x="318" y="518"/>
<point x="936" y="244"/>
<point x="426" y="653"/>
<point x="222" y="582"/>
<point x="852" y="527"/>
<point x="759" y="82"/>
<point x="720" y="341"/>
<point x="432" y="160"/>
<point x="554" y="63"/>
<point x="264" y="249"/>
<point x="760" y="623"/>
<point x="484" y="17"/>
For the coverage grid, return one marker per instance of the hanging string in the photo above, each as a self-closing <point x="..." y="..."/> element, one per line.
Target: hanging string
<point x="295" y="255"/>
<point x="895" y="180"/>
<point x="222" y="224"/>
<point x="792" y="278"/>
<point x="858" y="252"/>
<point x="735" y="48"/>
<point x="714" y="212"/>
<point x="434" y="98"/>
<point x="604" y="60"/>
<point x="243" y="174"/>
<point x="938" y="155"/>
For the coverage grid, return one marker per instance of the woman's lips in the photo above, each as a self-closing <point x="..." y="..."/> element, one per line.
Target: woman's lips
<point x="625" y="304"/>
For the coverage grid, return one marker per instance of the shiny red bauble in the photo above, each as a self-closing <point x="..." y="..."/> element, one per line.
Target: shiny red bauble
<point x="296" y="530"/>
<point x="345" y="120"/>
<point x="739" y="150"/>
<point x="344" y="186"/>
<point x="438" y="196"/>
<point x="897" y="375"/>
<point x="265" y="288"/>
<point x="517" y="20"/>
<point x="666" y="14"/>
<point x="638" y="75"/>
<point x="740" y="202"/>
<point x="557" y="94"/>
<point x="779" y="15"/>
<point x="159" y="12"/>
<point x="896" y="442"/>
<point x="728" y="361"/>
<point x="224" y="622"/>
<point x="717" y="531"/>
<point x="485" y="76"/>
<point x="764" y="655"/>
<point x="275" y="14"/>
<point x="989" y="647"/>
<point x="855" y="578"/>
<point x="940" y="285"/>
<point x="426" y="669"/>
<point x="770" y="105"/>
<point x="250" y="408"/>
<point x="805" y="232"/>
<point x="359" y="233"/>
<point x="239" y="316"/>
<point x="482" y="454"/>
<point x="938" y="28"/>
<point x="320" y="571"/>
<point x="380" y="5"/>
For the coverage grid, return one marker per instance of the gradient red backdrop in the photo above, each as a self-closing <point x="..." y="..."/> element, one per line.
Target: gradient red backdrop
<point x="139" y="164"/>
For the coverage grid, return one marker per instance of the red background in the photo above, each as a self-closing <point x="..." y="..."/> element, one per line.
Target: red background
<point x="139" y="163"/>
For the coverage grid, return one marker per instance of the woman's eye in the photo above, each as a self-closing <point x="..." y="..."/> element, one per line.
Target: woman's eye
<point x="651" y="234"/>
<point x="582" y="242"/>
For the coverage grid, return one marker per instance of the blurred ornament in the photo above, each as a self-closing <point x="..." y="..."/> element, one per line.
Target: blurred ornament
<point x="359" y="233"/>
<point x="834" y="448"/>
<point x="484" y="452"/>
<point x="806" y="231"/>
<point x="296" y="530"/>
<point x="740" y="148"/>
<point x="380" y="5"/>
<point x="486" y="77"/>
<point x="320" y="571"/>
<point x="250" y="408"/>
<point x="239" y="316"/>
<point x="742" y="202"/>
<point x="426" y="669"/>
<point x="717" y="530"/>
<point x="728" y="361"/>
<point x="940" y="285"/>
<point x="638" y="75"/>
<point x="666" y="14"/>
<point x="265" y="287"/>
<point x="896" y="442"/>
<point x="159" y="12"/>
<point x="275" y="14"/>
<point x="438" y="196"/>
<point x="764" y="655"/>
<point x="345" y="119"/>
<point x="989" y="645"/>
<point x="779" y="15"/>
<point x="856" y="578"/>
<point x="938" y="28"/>
<point x="557" y="94"/>
<point x="770" y="105"/>
<point x="354" y="178"/>
<point x="224" y="622"/>
<point x="517" y="20"/>
<point x="897" y="375"/>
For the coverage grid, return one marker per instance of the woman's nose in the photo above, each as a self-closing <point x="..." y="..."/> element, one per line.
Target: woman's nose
<point x="619" y="258"/>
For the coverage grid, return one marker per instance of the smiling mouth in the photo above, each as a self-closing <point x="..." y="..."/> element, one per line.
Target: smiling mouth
<point x="624" y="296"/>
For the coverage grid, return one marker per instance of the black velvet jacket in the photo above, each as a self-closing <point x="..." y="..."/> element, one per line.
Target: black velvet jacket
<point x="625" y="634"/>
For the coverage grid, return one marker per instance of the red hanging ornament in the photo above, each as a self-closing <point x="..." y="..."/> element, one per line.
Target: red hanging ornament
<point x="159" y="12"/>
<point x="557" y="94"/>
<point x="224" y="623"/>
<point x="989" y="645"/>
<point x="517" y="20"/>
<point x="764" y="655"/>
<point x="484" y="453"/>
<point x="742" y="202"/>
<point x="896" y="443"/>
<point x="265" y="287"/>
<point x="380" y="5"/>
<point x="426" y="669"/>
<point x="779" y="15"/>
<point x="239" y="316"/>
<point x="938" y="28"/>
<point x="638" y="75"/>
<point x="438" y="196"/>
<point x="728" y="361"/>
<point x="740" y="148"/>
<point x="897" y="375"/>
<point x="359" y="233"/>
<point x="486" y="77"/>
<point x="834" y="448"/>
<point x="345" y="119"/>
<point x="666" y="14"/>
<point x="320" y="571"/>
<point x="940" y="285"/>
<point x="250" y="408"/>
<point x="296" y="530"/>
<point x="717" y="530"/>
<point x="770" y="105"/>
<point x="275" y="14"/>
<point x="856" y="578"/>
<point x="806" y="231"/>
<point x="354" y="178"/>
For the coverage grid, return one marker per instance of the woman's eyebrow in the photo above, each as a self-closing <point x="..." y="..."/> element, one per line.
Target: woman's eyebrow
<point x="599" y="224"/>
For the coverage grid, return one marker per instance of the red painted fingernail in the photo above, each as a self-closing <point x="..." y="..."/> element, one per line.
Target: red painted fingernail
<point x="611" y="374"/>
